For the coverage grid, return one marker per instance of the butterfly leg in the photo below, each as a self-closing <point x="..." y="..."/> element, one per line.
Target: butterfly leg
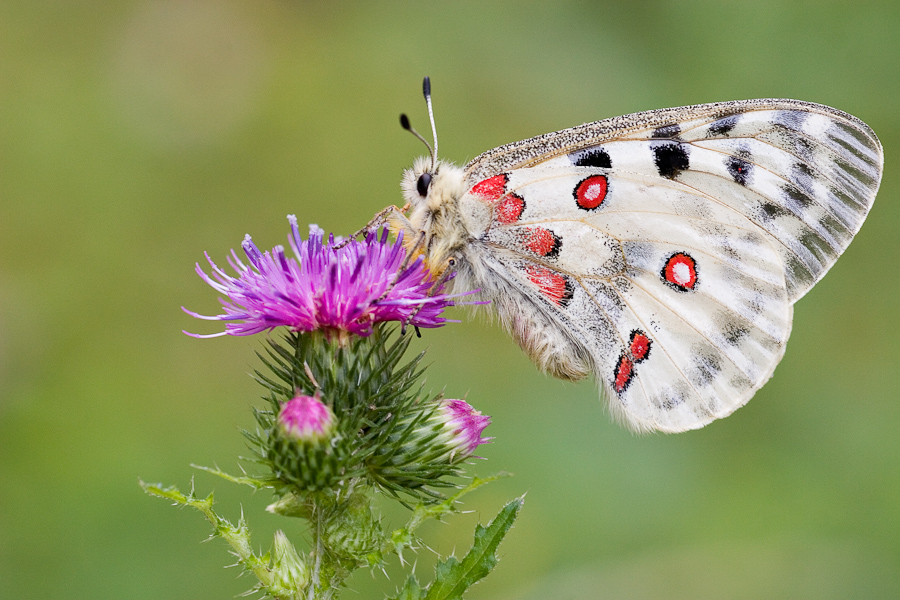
<point x="391" y="216"/>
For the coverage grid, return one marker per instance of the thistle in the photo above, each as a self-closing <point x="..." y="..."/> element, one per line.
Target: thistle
<point x="344" y="414"/>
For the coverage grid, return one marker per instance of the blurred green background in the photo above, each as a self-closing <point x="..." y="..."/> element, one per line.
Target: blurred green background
<point x="136" y="135"/>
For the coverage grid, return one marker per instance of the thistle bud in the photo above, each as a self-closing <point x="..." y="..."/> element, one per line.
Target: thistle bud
<point x="462" y="427"/>
<point x="301" y="448"/>
<point x="429" y="445"/>
<point x="306" y="419"/>
<point x="290" y="572"/>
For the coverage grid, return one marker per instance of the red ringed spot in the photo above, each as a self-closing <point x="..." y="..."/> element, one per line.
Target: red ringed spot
<point x="542" y="242"/>
<point x="640" y="345"/>
<point x="509" y="210"/>
<point x="591" y="192"/>
<point x="624" y="374"/>
<point x="554" y="286"/>
<point x="491" y="188"/>
<point x="680" y="272"/>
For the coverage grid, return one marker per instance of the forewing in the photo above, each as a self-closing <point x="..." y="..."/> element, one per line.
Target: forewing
<point x="804" y="173"/>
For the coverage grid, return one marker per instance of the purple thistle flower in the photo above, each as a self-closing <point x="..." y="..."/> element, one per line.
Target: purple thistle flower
<point x="463" y="426"/>
<point x="306" y="418"/>
<point x="334" y="290"/>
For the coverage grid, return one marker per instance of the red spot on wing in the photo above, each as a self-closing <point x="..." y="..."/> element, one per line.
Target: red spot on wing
<point x="491" y="188"/>
<point x="554" y="286"/>
<point x="591" y="192"/>
<point x="542" y="241"/>
<point x="638" y="350"/>
<point x="624" y="374"/>
<point x="640" y="345"/>
<point x="509" y="209"/>
<point x="680" y="272"/>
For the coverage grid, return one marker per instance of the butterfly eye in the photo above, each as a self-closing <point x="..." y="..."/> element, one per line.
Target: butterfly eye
<point x="423" y="183"/>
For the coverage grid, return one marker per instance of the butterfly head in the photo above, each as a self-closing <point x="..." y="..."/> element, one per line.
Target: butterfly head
<point x="427" y="188"/>
<point x="432" y="224"/>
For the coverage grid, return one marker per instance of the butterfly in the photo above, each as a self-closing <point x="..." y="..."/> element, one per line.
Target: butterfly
<point x="661" y="252"/>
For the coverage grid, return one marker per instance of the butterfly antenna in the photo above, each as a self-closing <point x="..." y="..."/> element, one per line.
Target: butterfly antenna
<point x="404" y="123"/>
<point x="426" y="91"/>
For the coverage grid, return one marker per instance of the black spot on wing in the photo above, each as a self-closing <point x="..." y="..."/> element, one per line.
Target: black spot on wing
<point x="734" y="332"/>
<point x="723" y="126"/>
<point x="670" y="131"/>
<point x="670" y="158"/>
<point x="601" y="332"/>
<point x="670" y="397"/>
<point x="623" y="283"/>
<point x="739" y="169"/>
<point x="768" y="211"/>
<point x="705" y="367"/>
<point x="593" y="157"/>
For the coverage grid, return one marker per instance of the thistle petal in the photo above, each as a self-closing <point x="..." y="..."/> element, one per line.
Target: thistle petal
<point x="322" y="287"/>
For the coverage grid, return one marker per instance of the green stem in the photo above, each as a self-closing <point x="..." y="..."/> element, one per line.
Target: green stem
<point x="319" y="551"/>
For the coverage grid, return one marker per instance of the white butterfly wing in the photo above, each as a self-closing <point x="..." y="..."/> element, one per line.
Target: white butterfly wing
<point x="805" y="173"/>
<point x="665" y="249"/>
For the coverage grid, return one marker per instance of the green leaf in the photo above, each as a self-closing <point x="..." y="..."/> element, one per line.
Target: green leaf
<point x="453" y="577"/>
<point x="405" y="536"/>
<point x="253" y="482"/>
<point x="169" y="493"/>
<point x="436" y="511"/>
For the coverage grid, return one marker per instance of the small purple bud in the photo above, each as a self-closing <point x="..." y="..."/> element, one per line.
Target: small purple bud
<point x="306" y="418"/>
<point x="464" y="424"/>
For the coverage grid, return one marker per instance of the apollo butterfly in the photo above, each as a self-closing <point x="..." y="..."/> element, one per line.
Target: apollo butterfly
<point x="661" y="251"/>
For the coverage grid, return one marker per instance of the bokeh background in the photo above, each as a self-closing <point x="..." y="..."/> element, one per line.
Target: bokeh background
<point x="134" y="135"/>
